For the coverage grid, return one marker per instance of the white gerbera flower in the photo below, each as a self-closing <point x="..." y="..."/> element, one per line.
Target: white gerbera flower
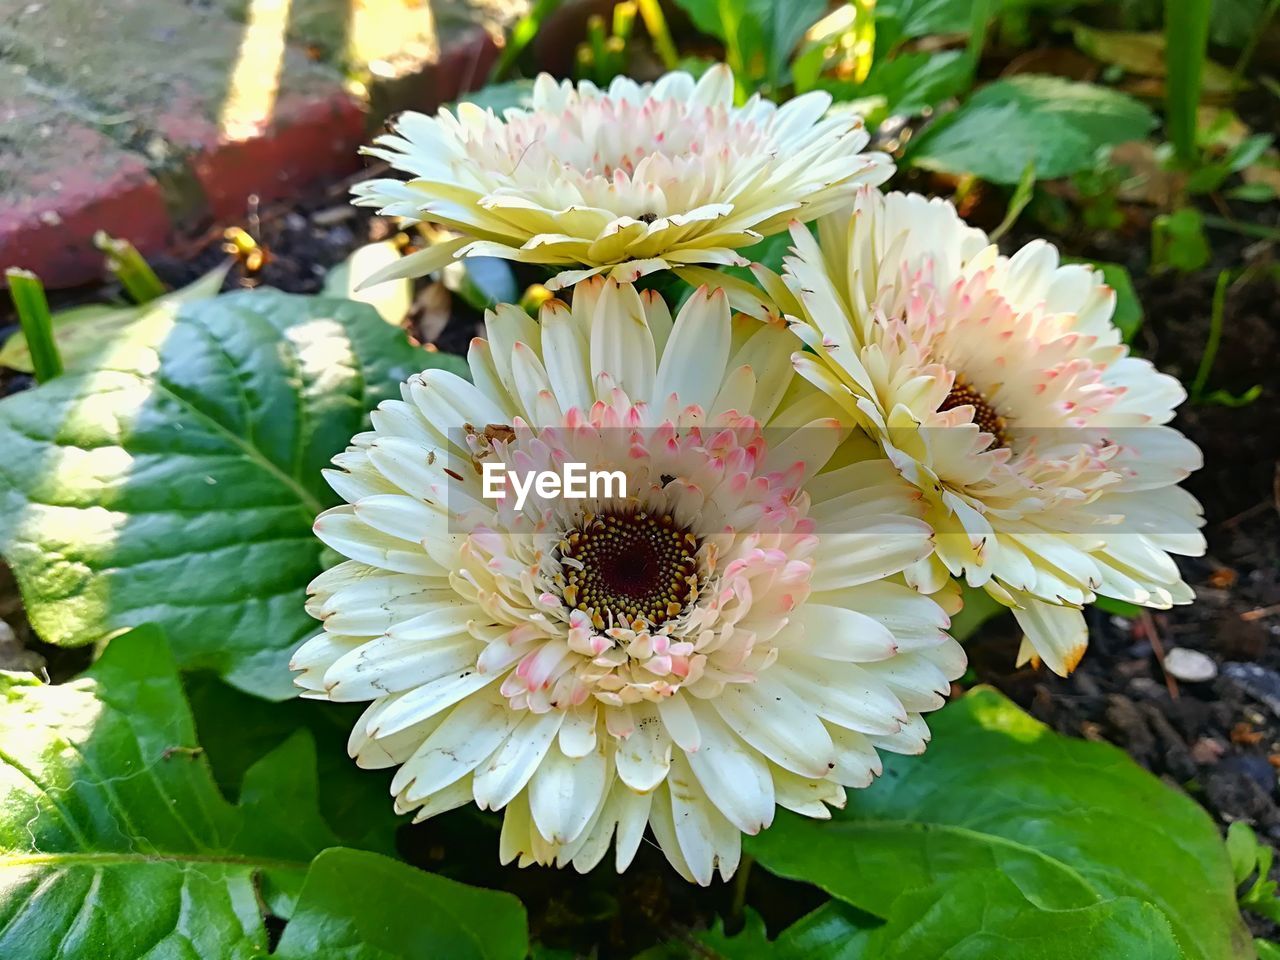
<point x="730" y="636"/>
<point x="1001" y="389"/>
<point x="630" y="180"/>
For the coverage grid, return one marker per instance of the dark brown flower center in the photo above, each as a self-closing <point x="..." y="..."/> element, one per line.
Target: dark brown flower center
<point x="984" y="415"/>
<point x="621" y="568"/>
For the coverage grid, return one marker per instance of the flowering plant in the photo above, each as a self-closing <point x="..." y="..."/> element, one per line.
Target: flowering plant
<point x="742" y="644"/>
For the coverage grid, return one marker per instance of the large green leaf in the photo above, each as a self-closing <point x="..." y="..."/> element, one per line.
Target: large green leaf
<point x="176" y="480"/>
<point x="363" y="906"/>
<point x="980" y="915"/>
<point x="1056" y="124"/>
<point x="116" y="843"/>
<point x="1070" y="824"/>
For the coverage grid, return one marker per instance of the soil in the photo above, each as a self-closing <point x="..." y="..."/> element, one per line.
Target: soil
<point x="1218" y="739"/>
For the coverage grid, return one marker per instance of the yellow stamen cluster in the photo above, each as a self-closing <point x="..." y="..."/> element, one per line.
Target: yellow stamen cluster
<point x="629" y="569"/>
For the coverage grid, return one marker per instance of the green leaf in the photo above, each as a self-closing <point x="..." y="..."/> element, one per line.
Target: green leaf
<point x="1056" y="124"/>
<point x="1128" y="315"/>
<point x="1267" y="950"/>
<point x="1233" y="22"/>
<point x="1225" y="398"/>
<point x="116" y="840"/>
<point x="117" y="843"/>
<point x="1117" y="608"/>
<point x="84" y="333"/>
<point x="1018" y="201"/>
<point x="1142" y="54"/>
<point x="1070" y="824"/>
<point x="981" y="914"/>
<point x="176" y="481"/>
<point x="1242" y="849"/>
<point x="363" y="906"/>
<point x="356" y="803"/>
<point x="1253" y="193"/>
<point x="919" y="18"/>
<point x="1178" y="241"/>
<point x="909" y="83"/>
<point x="749" y="943"/>
<point x="754" y="30"/>
<point x="835" y="931"/>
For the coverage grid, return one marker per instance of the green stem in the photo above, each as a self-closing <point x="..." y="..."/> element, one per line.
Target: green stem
<point x="37" y="322"/>
<point x="1186" y="25"/>
<point x="130" y="268"/>
<point x="1251" y="45"/>
<point x="595" y="37"/>
<point x="1215" y="336"/>
<point x="624" y="19"/>
<point x="656" y="23"/>
<point x="522" y="35"/>
<point x="1259" y="230"/>
<point x="979" y="14"/>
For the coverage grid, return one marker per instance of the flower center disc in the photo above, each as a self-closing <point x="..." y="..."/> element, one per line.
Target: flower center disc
<point x="622" y="568"/>
<point x="984" y="415"/>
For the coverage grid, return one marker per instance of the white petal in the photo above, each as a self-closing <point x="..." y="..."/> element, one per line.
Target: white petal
<point x="644" y="757"/>
<point x="565" y="793"/>
<point x="509" y="769"/>
<point x="736" y="779"/>
<point x="340" y="529"/>
<point x="882" y="547"/>
<point x="1058" y="633"/>
<point x="773" y="719"/>
<point x="467" y="737"/>
<point x="835" y="633"/>
<point x="708" y="842"/>
<point x="680" y="722"/>
<point x="693" y="362"/>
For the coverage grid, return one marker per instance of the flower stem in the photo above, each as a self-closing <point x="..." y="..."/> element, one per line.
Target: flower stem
<point x="656" y="23"/>
<point x="133" y="272"/>
<point x="37" y="322"/>
<point x="1215" y="336"/>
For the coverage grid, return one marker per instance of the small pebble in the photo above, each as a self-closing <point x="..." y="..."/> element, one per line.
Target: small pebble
<point x="1144" y="688"/>
<point x="1207" y="750"/>
<point x="1259" y="682"/>
<point x="1191" y="666"/>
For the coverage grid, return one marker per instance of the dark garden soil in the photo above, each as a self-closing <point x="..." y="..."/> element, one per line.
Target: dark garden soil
<point x="1218" y="739"/>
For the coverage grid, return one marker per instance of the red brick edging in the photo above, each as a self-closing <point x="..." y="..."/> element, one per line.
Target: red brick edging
<point x="312" y="138"/>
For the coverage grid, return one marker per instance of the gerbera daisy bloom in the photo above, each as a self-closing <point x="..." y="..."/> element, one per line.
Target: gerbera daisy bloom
<point x="630" y="180"/>
<point x="1003" y="392"/>
<point x="730" y="635"/>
